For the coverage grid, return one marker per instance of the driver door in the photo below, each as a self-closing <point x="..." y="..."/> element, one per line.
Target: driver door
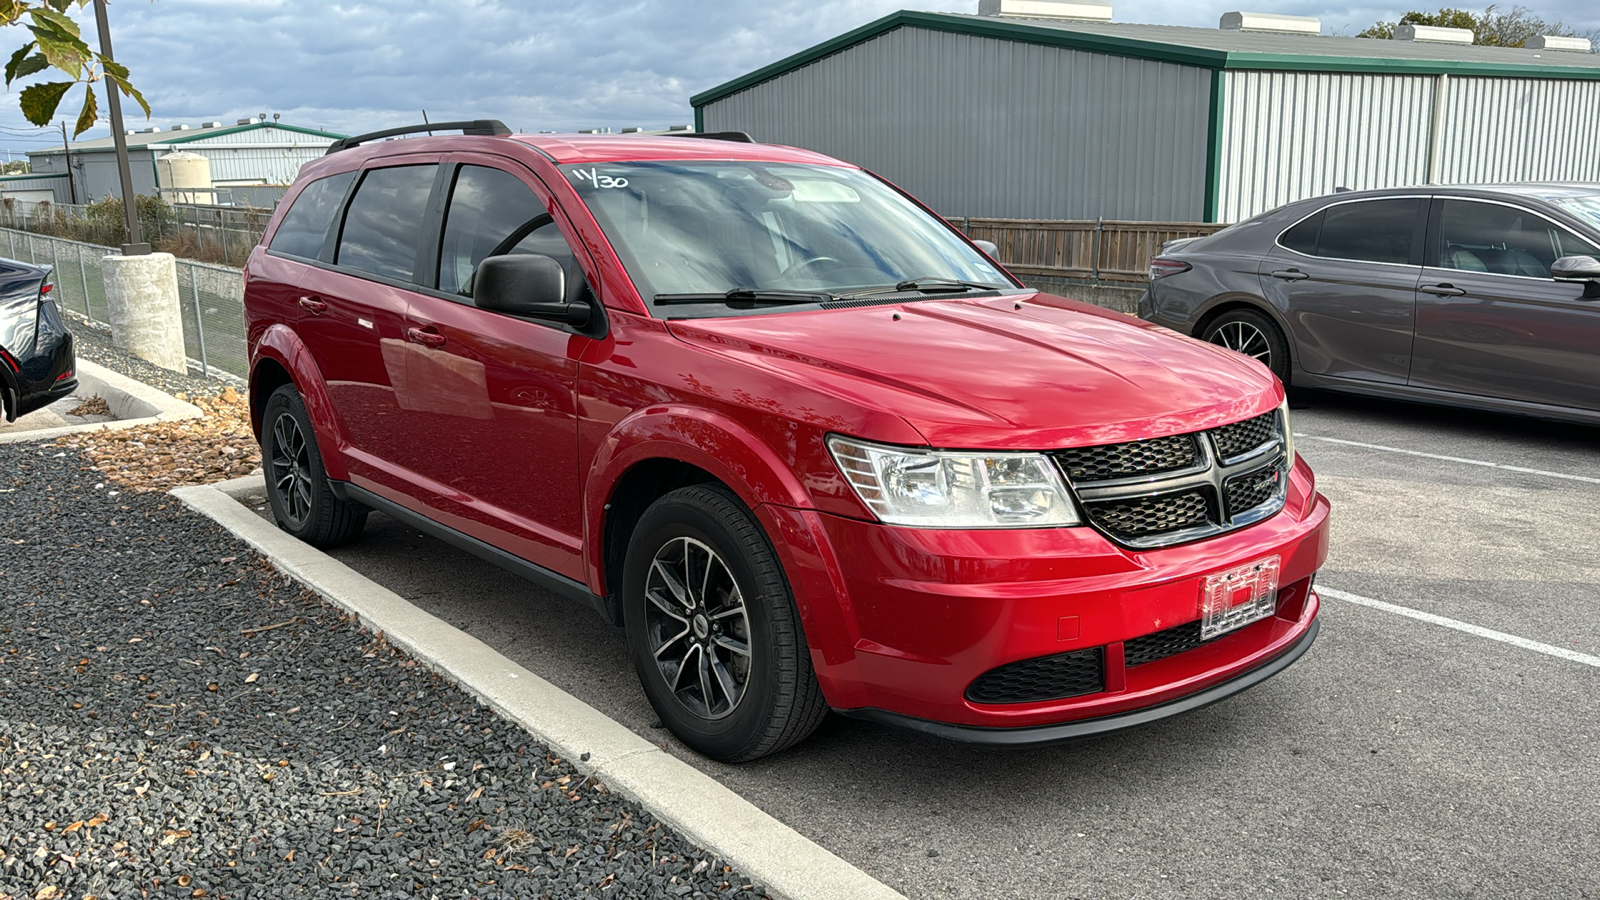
<point x="493" y="395"/>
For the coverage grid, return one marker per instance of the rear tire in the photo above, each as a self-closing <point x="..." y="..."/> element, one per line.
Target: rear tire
<point x="303" y="501"/>
<point x="1254" y="335"/>
<point x="713" y="628"/>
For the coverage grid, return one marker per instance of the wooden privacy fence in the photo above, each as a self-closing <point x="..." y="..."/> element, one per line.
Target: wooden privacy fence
<point x="1099" y="249"/>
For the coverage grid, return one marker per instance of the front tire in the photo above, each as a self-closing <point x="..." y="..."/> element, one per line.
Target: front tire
<point x="1253" y="334"/>
<point x="303" y="501"/>
<point x="713" y="629"/>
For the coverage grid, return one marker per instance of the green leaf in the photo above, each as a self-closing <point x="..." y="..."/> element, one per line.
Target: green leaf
<point x="39" y="101"/>
<point x="16" y="60"/>
<point x="44" y="16"/>
<point x="65" y="52"/>
<point x="89" y="114"/>
<point x="128" y="90"/>
<point x="34" y="63"/>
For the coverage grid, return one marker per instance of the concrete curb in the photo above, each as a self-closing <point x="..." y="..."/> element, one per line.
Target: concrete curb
<point x="132" y="402"/>
<point x="788" y="864"/>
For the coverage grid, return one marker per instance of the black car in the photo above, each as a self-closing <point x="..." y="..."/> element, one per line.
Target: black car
<point x="37" y="365"/>
<point x="1483" y="296"/>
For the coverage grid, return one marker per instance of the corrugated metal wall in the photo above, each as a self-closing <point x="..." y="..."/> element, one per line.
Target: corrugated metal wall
<point x="983" y="127"/>
<point x="276" y="166"/>
<point x="1292" y="135"/>
<point x="1520" y="129"/>
<point x="1287" y="136"/>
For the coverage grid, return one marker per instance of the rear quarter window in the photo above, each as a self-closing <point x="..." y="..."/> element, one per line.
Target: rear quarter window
<point x="306" y="224"/>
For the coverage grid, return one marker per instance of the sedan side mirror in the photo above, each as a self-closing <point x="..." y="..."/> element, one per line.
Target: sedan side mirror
<point x="527" y="284"/>
<point x="987" y="247"/>
<point x="1579" y="268"/>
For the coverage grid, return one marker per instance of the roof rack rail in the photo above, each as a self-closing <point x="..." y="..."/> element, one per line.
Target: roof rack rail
<point x="736" y="136"/>
<point x="475" y="126"/>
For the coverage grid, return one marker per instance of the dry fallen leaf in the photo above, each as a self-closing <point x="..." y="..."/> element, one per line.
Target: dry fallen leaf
<point x="217" y="446"/>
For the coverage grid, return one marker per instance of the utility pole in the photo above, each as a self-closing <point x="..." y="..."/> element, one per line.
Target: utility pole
<point x="72" y="186"/>
<point x="134" y="246"/>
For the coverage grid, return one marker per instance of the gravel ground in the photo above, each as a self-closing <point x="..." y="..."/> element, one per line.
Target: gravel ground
<point x="179" y="720"/>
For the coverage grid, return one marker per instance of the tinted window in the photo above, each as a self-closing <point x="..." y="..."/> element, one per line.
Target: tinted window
<point x="306" y="224"/>
<point x="1303" y="237"/>
<point x="488" y="207"/>
<point x="1370" y="231"/>
<point x="384" y="220"/>
<point x="1502" y="240"/>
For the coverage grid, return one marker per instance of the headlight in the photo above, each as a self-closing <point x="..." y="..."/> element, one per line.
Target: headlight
<point x="935" y="489"/>
<point x="1288" y="432"/>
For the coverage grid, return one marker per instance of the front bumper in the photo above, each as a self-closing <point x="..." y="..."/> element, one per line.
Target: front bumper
<point x="926" y="612"/>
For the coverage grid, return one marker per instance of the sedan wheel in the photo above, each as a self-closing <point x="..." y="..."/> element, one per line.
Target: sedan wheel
<point x="1254" y="335"/>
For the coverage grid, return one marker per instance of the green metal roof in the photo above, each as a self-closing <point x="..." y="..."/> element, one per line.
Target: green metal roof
<point x="1209" y="48"/>
<point x="141" y="139"/>
<point x="29" y="176"/>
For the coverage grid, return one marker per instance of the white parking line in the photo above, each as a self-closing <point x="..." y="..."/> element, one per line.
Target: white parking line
<point x="1455" y="459"/>
<point x="1491" y="634"/>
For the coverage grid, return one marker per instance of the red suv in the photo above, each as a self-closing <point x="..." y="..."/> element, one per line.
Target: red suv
<point x="805" y="442"/>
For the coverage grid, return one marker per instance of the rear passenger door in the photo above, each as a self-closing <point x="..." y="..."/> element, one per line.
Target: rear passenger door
<point x="1490" y="319"/>
<point x="491" y="396"/>
<point x="1346" y="279"/>
<point x="354" y="313"/>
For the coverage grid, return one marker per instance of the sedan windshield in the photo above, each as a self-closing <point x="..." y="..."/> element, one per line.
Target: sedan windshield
<point x="718" y="238"/>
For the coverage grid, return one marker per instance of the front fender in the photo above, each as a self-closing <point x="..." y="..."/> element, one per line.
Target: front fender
<point x="280" y="344"/>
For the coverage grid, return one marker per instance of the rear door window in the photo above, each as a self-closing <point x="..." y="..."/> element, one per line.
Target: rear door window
<point x="1502" y="240"/>
<point x="306" y="223"/>
<point x="1381" y="231"/>
<point x="385" y="220"/>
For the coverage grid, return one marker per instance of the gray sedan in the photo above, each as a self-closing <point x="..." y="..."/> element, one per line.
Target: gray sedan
<point x="1485" y="296"/>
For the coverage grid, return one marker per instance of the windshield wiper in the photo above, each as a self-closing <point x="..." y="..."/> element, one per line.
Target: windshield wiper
<point x="926" y="285"/>
<point x="753" y="295"/>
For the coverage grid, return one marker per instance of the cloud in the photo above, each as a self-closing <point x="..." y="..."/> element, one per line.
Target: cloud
<point x="359" y="65"/>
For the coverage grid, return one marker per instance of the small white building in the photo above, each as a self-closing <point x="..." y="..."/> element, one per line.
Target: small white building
<point x="251" y="162"/>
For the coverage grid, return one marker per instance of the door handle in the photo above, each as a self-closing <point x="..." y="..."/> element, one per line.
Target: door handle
<point x="313" y="305"/>
<point x="1442" y="290"/>
<point x="427" y="337"/>
<point x="1290" y="275"/>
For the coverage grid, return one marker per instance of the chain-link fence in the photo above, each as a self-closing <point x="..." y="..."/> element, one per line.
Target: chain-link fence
<point x="217" y="234"/>
<point x="211" y="297"/>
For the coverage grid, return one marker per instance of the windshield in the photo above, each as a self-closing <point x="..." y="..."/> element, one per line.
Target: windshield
<point x="770" y="233"/>
<point x="1586" y="209"/>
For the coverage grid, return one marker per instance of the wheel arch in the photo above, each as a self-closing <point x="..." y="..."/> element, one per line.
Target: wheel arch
<point x="280" y="358"/>
<point x="1227" y="303"/>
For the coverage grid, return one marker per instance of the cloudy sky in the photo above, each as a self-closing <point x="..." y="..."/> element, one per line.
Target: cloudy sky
<point x="358" y="65"/>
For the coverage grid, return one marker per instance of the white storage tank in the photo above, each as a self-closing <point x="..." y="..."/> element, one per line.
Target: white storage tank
<point x="185" y="178"/>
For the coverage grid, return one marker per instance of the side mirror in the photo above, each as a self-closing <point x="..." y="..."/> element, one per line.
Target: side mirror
<point x="1575" y="268"/>
<point x="987" y="247"/>
<point x="1579" y="268"/>
<point x="527" y="284"/>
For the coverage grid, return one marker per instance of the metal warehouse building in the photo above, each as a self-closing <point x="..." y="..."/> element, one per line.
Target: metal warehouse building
<point x="250" y="162"/>
<point x="1049" y="118"/>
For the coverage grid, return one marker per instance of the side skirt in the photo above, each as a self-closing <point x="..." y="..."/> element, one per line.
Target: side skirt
<point x="550" y="581"/>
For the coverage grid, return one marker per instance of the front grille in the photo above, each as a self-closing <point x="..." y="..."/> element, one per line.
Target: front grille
<point x="1168" y="454"/>
<point x="1246" y="492"/>
<point x="1242" y="437"/>
<point x="1158" y="492"/>
<point x="1141" y="516"/>
<point x="1043" y="678"/>
<point x="1162" y="644"/>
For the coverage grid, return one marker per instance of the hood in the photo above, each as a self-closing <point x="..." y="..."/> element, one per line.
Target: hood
<point x="1013" y="372"/>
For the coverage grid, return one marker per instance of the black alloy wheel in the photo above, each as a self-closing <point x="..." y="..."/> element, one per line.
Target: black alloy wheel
<point x="1254" y="335"/>
<point x="713" y="629"/>
<point x="302" y="499"/>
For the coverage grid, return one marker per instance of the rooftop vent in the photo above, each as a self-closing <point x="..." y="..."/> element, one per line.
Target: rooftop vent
<point x="1553" y="42"/>
<point x="1084" y="10"/>
<point x="677" y="128"/>
<point x="632" y="129"/>
<point x="151" y="130"/>
<point x="588" y="131"/>
<point x="210" y="124"/>
<point x="252" y="120"/>
<point x="180" y="128"/>
<point x="1432" y="34"/>
<point x="1270" y="23"/>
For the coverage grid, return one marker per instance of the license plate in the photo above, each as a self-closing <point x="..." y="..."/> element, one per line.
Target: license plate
<point x="1237" y="597"/>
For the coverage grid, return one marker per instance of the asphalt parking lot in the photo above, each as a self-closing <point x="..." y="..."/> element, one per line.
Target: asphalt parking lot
<point x="1403" y="756"/>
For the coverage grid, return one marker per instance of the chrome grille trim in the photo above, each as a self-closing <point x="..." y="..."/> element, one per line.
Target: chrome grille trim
<point x="1246" y="487"/>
